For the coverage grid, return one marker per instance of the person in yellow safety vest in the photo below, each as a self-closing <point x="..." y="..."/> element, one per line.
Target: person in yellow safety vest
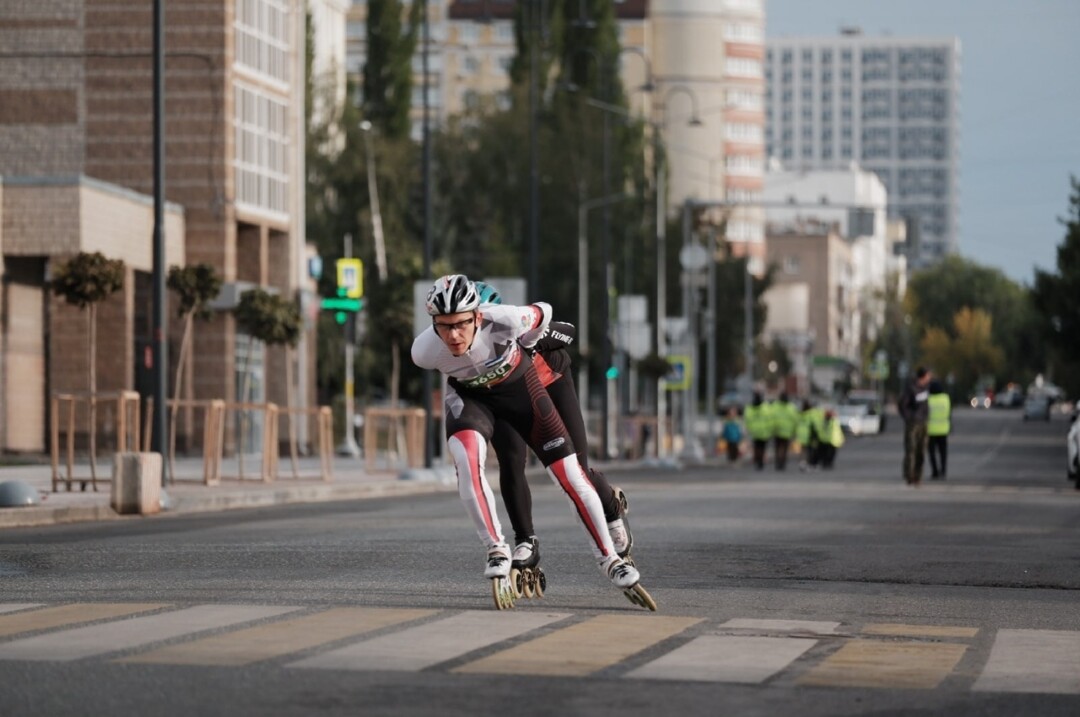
<point x="832" y="437"/>
<point x="811" y="422"/>
<point x="938" y="427"/>
<point x="758" y="419"/>
<point x="785" y="418"/>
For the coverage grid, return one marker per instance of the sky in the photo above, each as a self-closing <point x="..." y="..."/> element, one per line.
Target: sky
<point x="1019" y="110"/>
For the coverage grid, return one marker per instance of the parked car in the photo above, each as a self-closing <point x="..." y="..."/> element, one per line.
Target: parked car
<point x="1072" y="442"/>
<point x="1011" y="397"/>
<point x="1037" y="406"/>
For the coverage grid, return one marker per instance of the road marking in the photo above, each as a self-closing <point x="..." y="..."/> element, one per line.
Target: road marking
<point x="63" y="615"/>
<point x="886" y="628"/>
<point x="429" y="644"/>
<point x="1032" y="661"/>
<point x="264" y="642"/>
<point x="15" y="607"/>
<point x="726" y="658"/>
<point x="810" y="627"/>
<point x="583" y="648"/>
<point x="80" y="642"/>
<point x="871" y="663"/>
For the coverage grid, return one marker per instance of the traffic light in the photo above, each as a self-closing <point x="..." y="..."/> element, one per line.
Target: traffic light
<point x="612" y="373"/>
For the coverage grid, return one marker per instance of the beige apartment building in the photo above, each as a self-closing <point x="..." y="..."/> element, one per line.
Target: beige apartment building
<point x="76" y="175"/>
<point x="813" y="302"/>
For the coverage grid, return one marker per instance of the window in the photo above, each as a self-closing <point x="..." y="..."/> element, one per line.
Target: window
<point x="742" y="132"/>
<point x="743" y="67"/>
<point x="467" y="32"/>
<point x="791" y="265"/>
<point x="356" y="30"/>
<point x="742" y="32"/>
<point x="262" y="37"/>
<point x="261" y="166"/>
<point x="504" y="32"/>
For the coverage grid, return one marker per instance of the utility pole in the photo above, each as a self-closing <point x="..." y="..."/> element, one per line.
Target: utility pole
<point x="429" y="384"/>
<point x="534" y="15"/>
<point x="348" y="446"/>
<point x="160" y="322"/>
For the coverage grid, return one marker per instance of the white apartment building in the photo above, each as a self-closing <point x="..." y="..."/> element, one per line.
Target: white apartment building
<point x="889" y="103"/>
<point x="852" y="202"/>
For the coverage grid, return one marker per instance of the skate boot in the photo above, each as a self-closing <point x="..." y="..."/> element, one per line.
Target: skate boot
<point x="619" y="528"/>
<point x="526" y="575"/>
<point x="626" y="577"/>
<point x="498" y="571"/>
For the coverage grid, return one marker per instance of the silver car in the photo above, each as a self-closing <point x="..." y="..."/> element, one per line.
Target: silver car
<point x="1073" y="449"/>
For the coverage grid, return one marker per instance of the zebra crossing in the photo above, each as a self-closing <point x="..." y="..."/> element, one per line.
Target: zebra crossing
<point x="631" y="646"/>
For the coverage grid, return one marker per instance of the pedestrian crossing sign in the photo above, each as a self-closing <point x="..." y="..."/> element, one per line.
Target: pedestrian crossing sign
<point x="350" y="277"/>
<point x="678" y="379"/>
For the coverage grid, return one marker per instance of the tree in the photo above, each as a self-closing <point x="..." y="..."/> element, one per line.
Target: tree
<point x="388" y="69"/>
<point x="1056" y="297"/>
<point x="272" y="320"/>
<point x="968" y="355"/>
<point x="86" y="280"/>
<point x="195" y="287"/>
<point x="936" y="294"/>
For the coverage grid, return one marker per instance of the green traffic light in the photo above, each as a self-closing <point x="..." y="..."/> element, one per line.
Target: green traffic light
<point x="340" y="317"/>
<point x="612" y="373"/>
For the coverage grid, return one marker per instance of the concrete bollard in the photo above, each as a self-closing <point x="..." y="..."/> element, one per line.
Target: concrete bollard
<point x="136" y="483"/>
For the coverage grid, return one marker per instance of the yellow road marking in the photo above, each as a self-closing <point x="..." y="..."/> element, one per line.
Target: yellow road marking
<point x="62" y="615"/>
<point x="885" y="628"/>
<point x="870" y="663"/>
<point x="583" y="648"/>
<point x="264" y="642"/>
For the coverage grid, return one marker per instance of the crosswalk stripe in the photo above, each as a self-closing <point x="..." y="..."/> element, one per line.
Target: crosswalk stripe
<point x="264" y="642"/>
<point x="583" y="648"/>
<point x="62" y="615"/>
<point x="1032" y="661"/>
<point x="872" y="663"/>
<point x="808" y="627"/>
<point x="726" y="658"/>
<point x="892" y="629"/>
<point x="16" y="606"/>
<point x="429" y="644"/>
<point x="80" y="642"/>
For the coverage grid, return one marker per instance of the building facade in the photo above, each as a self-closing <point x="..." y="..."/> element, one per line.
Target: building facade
<point x="889" y="103"/>
<point x="76" y="112"/>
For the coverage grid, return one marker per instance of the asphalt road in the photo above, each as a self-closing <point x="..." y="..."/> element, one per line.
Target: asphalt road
<point x="839" y="592"/>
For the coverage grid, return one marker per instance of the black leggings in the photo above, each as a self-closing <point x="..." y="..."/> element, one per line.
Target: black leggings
<point x="511" y="452"/>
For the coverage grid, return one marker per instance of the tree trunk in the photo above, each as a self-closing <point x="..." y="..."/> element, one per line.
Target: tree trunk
<point x="243" y="400"/>
<point x="181" y="360"/>
<point x="288" y="406"/>
<point x="91" y="380"/>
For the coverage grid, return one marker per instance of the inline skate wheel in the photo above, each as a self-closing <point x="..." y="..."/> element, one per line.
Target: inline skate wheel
<point x="540" y="585"/>
<point x="502" y="591"/>
<point x="640" y="597"/>
<point x="519" y="581"/>
<point x="529" y="583"/>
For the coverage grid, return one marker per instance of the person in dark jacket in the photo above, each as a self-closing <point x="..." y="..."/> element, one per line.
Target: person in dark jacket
<point x="914" y="409"/>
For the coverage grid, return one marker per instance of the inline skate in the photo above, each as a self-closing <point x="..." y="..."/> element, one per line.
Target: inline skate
<point x="526" y="575"/>
<point x="626" y="577"/>
<point x="498" y="571"/>
<point x="619" y="528"/>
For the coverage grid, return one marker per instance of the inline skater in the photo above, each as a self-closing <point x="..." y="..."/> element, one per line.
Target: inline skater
<point x="490" y="377"/>
<point x="550" y="351"/>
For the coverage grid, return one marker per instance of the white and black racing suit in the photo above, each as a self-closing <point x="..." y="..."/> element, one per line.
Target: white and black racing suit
<point x="496" y="379"/>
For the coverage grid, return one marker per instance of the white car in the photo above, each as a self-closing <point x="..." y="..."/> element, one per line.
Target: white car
<point x="1073" y="443"/>
<point x="857" y="420"/>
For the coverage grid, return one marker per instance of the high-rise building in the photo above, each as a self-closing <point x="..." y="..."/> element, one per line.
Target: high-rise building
<point x="891" y="104"/>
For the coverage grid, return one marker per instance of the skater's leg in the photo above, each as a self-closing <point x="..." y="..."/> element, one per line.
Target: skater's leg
<point x="468" y="449"/>
<point x="510" y="449"/>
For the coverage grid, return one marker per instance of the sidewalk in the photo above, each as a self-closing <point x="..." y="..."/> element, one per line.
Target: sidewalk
<point x="187" y="494"/>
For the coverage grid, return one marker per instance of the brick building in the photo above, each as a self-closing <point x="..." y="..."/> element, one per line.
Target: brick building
<point x="76" y="171"/>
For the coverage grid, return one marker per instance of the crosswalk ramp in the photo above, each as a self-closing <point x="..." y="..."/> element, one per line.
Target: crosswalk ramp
<point x="630" y="646"/>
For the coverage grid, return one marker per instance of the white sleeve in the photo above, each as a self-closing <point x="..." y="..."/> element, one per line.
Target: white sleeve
<point x="423" y="353"/>
<point x="534" y="324"/>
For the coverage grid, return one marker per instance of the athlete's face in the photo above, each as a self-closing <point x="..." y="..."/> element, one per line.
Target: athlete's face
<point x="457" y="330"/>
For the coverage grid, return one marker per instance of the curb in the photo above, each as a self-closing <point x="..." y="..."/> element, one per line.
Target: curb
<point x="181" y="504"/>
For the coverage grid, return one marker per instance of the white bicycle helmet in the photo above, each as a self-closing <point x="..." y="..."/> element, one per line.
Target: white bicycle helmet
<point x="452" y="294"/>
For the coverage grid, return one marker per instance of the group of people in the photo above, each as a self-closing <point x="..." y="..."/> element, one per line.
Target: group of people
<point x="812" y="431"/>
<point x="927" y="412"/>
<point x="509" y="385"/>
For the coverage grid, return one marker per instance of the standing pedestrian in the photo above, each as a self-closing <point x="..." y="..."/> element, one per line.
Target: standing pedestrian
<point x="759" y="426"/>
<point x="732" y="434"/>
<point x="785" y="417"/>
<point x="938" y="426"/>
<point x="832" y="438"/>
<point x="915" y="410"/>
<point x="808" y="434"/>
